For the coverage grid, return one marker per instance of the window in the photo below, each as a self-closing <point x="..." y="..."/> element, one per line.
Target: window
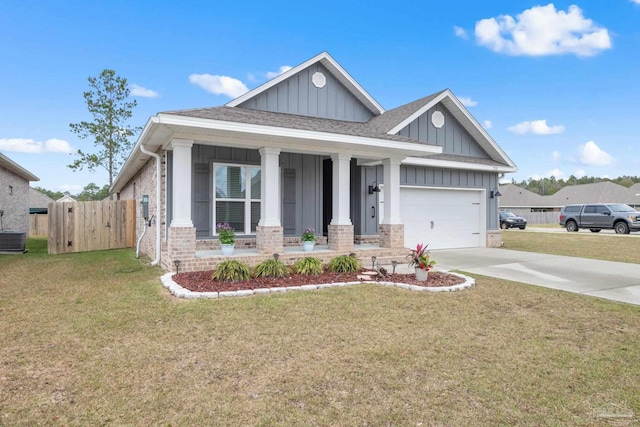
<point x="11" y="190"/>
<point x="234" y="202"/>
<point x="602" y="210"/>
<point x="589" y="209"/>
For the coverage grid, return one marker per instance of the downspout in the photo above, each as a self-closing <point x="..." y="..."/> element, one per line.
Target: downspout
<point x="158" y="188"/>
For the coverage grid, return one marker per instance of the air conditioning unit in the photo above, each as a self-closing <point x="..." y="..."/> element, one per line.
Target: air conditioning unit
<point x="13" y="241"/>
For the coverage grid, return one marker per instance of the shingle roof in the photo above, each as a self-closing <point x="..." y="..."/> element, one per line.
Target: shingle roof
<point x="599" y="192"/>
<point x="293" y="121"/>
<point x="38" y="200"/>
<point x="514" y="196"/>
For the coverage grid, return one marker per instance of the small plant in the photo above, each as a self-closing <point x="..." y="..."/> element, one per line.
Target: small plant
<point x="231" y="271"/>
<point x="226" y="234"/>
<point x="344" y="264"/>
<point x="308" y="235"/>
<point x="271" y="268"/>
<point x="420" y="258"/>
<point x="307" y="266"/>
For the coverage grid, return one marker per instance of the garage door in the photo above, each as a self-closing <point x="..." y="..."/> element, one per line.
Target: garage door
<point x="442" y="218"/>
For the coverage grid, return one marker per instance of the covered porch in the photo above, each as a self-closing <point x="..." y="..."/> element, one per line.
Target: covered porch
<point x="268" y="236"/>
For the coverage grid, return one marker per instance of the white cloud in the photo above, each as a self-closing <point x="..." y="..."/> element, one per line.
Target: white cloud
<point x="219" y="85"/>
<point x="555" y="172"/>
<point x="541" y="31"/>
<point x="580" y="173"/>
<point x="281" y="70"/>
<point x="591" y="154"/>
<point x="138" y="90"/>
<point x="57" y="146"/>
<point x="635" y="1"/>
<point x="467" y="101"/>
<point x="556" y="156"/>
<point x="536" y="127"/>
<point x="462" y="33"/>
<point x="26" y="145"/>
<point x="488" y="124"/>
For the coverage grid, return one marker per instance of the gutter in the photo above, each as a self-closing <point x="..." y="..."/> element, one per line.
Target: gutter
<point x="158" y="239"/>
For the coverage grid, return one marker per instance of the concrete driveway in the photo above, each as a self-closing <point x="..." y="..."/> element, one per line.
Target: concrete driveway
<point x="616" y="281"/>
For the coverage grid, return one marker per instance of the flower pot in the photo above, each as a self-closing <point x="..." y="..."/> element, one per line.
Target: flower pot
<point x="308" y="246"/>
<point x="227" y="250"/>
<point x="421" y="274"/>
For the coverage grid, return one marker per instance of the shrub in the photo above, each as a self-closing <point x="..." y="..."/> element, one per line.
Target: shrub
<point x="231" y="271"/>
<point x="308" y="235"/>
<point x="344" y="264"/>
<point x="307" y="266"/>
<point x="271" y="268"/>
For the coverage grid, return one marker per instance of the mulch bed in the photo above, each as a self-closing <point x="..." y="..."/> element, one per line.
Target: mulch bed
<point x="200" y="281"/>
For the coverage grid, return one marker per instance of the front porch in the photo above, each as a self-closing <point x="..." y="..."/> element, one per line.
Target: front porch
<point x="208" y="258"/>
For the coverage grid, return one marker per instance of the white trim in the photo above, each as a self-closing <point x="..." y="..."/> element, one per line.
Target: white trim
<point x="471" y="125"/>
<point x="362" y="141"/>
<point x="16" y="169"/>
<point x="333" y="67"/>
<point x="451" y="164"/>
<point x="247" y="200"/>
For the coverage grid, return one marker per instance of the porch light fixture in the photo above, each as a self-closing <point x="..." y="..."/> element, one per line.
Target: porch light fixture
<point x="373" y="262"/>
<point x="373" y="188"/>
<point x="276" y="256"/>
<point x="177" y="263"/>
<point x="494" y="193"/>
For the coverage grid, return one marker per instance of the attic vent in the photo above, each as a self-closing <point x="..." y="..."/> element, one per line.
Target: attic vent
<point x="319" y="80"/>
<point x="437" y="118"/>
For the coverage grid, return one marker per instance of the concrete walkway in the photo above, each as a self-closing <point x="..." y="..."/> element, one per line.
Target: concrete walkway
<point x="605" y="279"/>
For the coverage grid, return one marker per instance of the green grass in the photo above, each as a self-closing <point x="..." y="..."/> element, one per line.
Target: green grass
<point x="93" y="339"/>
<point x="621" y="248"/>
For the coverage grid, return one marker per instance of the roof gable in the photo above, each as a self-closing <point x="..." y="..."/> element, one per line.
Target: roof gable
<point x="418" y="108"/>
<point x="320" y="63"/>
<point x="15" y="168"/>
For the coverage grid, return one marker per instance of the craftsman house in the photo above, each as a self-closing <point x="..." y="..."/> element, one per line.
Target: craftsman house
<point x="311" y="148"/>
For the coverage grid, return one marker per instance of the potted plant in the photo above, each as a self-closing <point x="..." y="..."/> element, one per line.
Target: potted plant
<point x="308" y="239"/>
<point x="421" y="260"/>
<point x="227" y="238"/>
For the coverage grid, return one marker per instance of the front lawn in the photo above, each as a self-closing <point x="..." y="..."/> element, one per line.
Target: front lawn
<point x="621" y="248"/>
<point x="93" y="339"/>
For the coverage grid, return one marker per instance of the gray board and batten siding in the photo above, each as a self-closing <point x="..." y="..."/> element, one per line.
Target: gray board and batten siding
<point x="452" y="137"/>
<point x="298" y="95"/>
<point x="301" y="186"/>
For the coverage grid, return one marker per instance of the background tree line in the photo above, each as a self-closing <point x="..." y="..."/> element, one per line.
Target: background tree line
<point x="549" y="186"/>
<point x="90" y="192"/>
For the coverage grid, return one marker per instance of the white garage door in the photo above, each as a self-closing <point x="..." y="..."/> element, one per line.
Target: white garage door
<point x="442" y="218"/>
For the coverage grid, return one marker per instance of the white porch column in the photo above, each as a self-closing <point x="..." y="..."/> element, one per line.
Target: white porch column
<point x="341" y="189"/>
<point x="391" y="171"/>
<point x="181" y="183"/>
<point x="270" y="187"/>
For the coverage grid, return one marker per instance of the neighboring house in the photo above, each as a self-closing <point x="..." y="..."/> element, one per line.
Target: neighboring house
<point x="14" y="195"/>
<point x="532" y="206"/>
<point x="38" y="202"/>
<point x="65" y="199"/>
<point x="312" y="148"/>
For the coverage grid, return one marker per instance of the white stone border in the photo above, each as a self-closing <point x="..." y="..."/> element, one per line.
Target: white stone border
<point x="180" y="292"/>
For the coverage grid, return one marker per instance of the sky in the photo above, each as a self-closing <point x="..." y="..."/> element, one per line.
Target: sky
<point x="555" y="84"/>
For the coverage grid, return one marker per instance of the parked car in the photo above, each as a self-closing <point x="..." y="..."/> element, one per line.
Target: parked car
<point x="598" y="216"/>
<point x="510" y="220"/>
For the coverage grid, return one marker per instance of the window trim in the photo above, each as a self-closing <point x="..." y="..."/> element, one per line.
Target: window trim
<point x="247" y="200"/>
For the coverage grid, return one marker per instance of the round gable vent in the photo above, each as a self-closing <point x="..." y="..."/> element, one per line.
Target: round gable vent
<point x="437" y="119"/>
<point x="318" y="79"/>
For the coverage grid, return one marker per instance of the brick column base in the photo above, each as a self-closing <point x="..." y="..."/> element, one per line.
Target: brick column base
<point x="494" y="238"/>
<point x="392" y="235"/>
<point x="181" y="245"/>
<point x="269" y="239"/>
<point x="341" y="238"/>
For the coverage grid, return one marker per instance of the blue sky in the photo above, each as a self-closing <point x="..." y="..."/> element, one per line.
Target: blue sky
<point x="555" y="84"/>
